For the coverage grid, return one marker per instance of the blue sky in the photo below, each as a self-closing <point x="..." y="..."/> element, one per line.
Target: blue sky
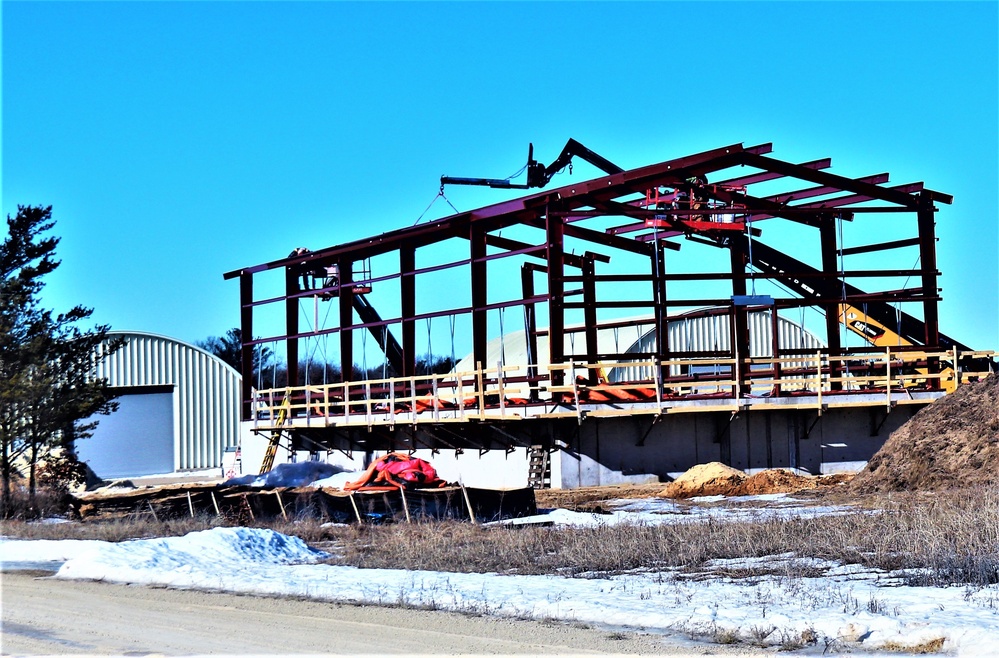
<point x="177" y="141"/>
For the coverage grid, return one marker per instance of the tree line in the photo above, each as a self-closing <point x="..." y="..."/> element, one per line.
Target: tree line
<point x="47" y="386"/>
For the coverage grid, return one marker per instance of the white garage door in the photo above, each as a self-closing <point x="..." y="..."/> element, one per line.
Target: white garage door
<point x="137" y="439"/>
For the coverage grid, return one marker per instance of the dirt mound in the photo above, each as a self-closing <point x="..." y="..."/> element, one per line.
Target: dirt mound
<point x="711" y="479"/>
<point x="952" y="443"/>
<point x="775" y="480"/>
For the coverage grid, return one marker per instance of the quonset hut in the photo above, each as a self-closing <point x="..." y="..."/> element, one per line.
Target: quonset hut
<point x="178" y="409"/>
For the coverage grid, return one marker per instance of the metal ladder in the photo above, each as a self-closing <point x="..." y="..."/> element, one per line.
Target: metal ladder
<point x="272" y="445"/>
<point x="539" y="474"/>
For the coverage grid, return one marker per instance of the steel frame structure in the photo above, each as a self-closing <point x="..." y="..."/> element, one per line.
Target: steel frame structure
<point x="642" y="212"/>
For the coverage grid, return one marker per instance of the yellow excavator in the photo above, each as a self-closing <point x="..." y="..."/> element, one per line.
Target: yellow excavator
<point x="880" y="335"/>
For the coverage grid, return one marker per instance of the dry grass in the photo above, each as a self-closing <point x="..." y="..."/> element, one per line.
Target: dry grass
<point x="938" y="539"/>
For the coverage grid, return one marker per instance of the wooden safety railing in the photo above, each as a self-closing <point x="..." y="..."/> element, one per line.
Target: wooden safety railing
<point x="816" y="380"/>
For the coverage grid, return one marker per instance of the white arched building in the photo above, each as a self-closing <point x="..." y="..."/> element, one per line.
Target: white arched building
<point x="697" y="331"/>
<point x="178" y="409"/>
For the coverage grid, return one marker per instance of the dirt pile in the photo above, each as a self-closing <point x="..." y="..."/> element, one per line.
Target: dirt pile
<point x="716" y="479"/>
<point x="952" y="443"/>
<point x="711" y="479"/>
<point x="775" y="480"/>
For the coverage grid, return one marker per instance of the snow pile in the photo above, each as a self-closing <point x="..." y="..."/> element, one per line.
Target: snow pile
<point x="844" y="607"/>
<point x="289" y="475"/>
<point x="15" y="551"/>
<point x="194" y="560"/>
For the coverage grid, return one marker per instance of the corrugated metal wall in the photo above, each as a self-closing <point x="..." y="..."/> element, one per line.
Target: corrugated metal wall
<point x="709" y="333"/>
<point x="206" y="393"/>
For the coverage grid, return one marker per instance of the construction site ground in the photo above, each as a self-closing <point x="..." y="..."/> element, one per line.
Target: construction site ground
<point x="952" y="443"/>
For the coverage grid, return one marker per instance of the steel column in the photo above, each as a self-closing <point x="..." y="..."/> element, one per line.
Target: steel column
<point x="555" y="235"/>
<point x="246" y="334"/>
<point x="291" y="278"/>
<point x="928" y="263"/>
<point x="346" y="273"/>
<point x="740" y="315"/>
<point x="530" y="327"/>
<point x="480" y="318"/>
<point x="590" y="317"/>
<point x="830" y="250"/>
<point x="407" y="285"/>
<point x="660" y="315"/>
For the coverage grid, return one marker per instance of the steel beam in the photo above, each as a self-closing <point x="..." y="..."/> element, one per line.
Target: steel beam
<point x="762" y="177"/>
<point x="827" y="179"/>
<point x="880" y="246"/>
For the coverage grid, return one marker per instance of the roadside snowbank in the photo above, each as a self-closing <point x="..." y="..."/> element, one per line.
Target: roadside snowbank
<point x="846" y="607"/>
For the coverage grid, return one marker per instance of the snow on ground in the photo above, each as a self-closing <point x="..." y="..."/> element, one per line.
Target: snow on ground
<point x="840" y="608"/>
<point x="664" y="510"/>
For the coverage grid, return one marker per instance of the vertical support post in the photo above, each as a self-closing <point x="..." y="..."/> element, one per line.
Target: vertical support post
<point x="555" y="233"/>
<point x="740" y="319"/>
<point x="660" y="314"/>
<point x="407" y="285"/>
<point x="590" y="317"/>
<point x="775" y="364"/>
<point x="477" y="254"/>
<point x="531" y="329"/>
<point x="827" y="237"/>
<point x="346" y="268"/>
<point x="291" y="324"/>
<point x="928" y="264"/>
<point x="246" y="332"/>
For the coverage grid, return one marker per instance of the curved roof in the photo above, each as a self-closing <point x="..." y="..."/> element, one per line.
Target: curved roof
<point x="692" y="331"/>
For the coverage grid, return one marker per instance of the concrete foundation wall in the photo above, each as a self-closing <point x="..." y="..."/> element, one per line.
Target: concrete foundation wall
<point x="637" y="450"/>
<point x="613" y="451"/>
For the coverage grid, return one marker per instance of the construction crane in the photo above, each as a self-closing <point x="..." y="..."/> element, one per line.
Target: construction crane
<point x="538" y="175"/>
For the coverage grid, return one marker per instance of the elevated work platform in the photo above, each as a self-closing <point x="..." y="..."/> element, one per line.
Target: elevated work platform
<point x="456" y="410"/>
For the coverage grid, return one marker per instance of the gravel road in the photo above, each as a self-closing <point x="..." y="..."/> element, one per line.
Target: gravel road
<point x="42" y="616"/>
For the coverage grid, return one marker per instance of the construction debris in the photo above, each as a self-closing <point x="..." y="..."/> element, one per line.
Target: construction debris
<point x="246" y="504"/>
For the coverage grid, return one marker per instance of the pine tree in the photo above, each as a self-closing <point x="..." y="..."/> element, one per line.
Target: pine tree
<point x="47" y="384"/>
